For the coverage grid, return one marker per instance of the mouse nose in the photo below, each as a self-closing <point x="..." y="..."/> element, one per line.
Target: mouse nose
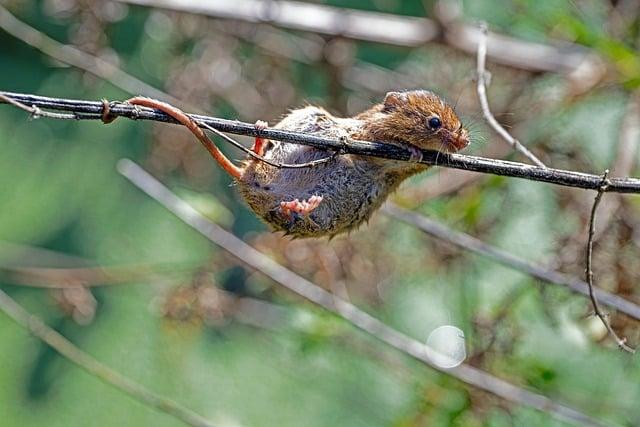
<point x="460" y="139"/>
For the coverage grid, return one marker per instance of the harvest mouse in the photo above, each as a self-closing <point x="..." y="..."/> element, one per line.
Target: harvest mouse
<point x="340" y="194"/>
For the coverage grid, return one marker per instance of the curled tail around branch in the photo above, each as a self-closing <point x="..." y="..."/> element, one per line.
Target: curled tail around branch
<point x="180" y="116"/>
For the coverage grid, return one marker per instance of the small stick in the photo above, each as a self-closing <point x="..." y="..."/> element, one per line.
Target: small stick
<point x="35" y="111"/>
<point x="256" y="156"/>
<point x="81" y="359"/>
<point x="589" y="271"/>
<point x="481" y="87"/>
<point x="465" y="241"/>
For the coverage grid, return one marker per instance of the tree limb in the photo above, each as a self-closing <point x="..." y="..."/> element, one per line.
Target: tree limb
<point x="93" y="110"/>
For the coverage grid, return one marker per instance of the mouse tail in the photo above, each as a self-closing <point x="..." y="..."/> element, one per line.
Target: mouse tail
<point x="187" y="121"/>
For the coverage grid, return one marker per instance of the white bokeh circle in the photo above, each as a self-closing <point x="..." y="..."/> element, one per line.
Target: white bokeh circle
<point x="446" y="347"/>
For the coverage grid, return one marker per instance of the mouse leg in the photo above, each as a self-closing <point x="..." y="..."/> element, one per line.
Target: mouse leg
<point x="304" y="207"/>
<point x="258" y="145"/>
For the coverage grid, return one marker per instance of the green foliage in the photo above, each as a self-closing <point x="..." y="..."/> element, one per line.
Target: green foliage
<point x="59" y="189"/>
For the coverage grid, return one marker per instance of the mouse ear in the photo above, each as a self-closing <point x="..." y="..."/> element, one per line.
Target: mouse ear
<point x="393" y="100"/>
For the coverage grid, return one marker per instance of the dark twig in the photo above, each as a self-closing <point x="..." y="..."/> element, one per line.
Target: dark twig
<point x="35" y="111"/>
<point x="66" y="348"/>
<point x="261" y="158"/>
<point x="589" y="269"/>
<point x="465" y="241"/>
<point x="333" y="303"/>
<point x="481" y="87"/>
<point x="92" y="110"/>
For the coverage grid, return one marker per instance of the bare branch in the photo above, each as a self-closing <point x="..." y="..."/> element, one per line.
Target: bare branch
<point x="589" y="270"/>
<point x="73" y="56"/>
<point x="263" y="159"/>
<point x="13" y="255"/>
<point x="35" y="111"/>
<point x="470" y="243"/>
<point x="393" y="29"/>
<point x="625" y="160"/>
<point x="56" y="278"/>
<point x="81" y="359"/>
<point x="93" y="110"/>
<point x="481" y="87"/>
<point x="334" y="304"/>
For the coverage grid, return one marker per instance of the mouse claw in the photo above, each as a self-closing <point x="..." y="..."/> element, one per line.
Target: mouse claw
<point x="304" y="207"/>
<point x="416" y="154"/>
<point x="259" y="144"/>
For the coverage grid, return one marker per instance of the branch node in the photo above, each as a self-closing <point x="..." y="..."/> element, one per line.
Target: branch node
<point x="344" y="141"/>
<point x="36" y="113"/>
<point x="605" y="182"/>
<point x="106" y="116"/>
<point x="136" y="112"/>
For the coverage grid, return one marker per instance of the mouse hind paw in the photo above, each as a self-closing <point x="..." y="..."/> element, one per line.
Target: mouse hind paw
<point x="304" y="207"/>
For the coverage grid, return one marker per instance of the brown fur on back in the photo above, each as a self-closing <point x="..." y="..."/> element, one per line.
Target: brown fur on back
<point x="352" y="187"/>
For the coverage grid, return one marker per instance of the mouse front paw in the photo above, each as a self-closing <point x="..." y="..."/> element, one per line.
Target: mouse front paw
<point x="416" y="154"/>
<point x="258" y="145"/>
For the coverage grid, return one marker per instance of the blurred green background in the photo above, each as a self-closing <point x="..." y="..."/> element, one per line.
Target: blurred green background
<point x="230" y="343"/>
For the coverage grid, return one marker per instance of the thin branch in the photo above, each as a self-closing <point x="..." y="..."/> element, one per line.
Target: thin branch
<point x="57" y="278"/>
<point x="81" y="359"/>
<point x="35" y="111"/>
<point x="14" y="254"/>
<point x="358" y="318"/>
<point x="263" y="159"/>
<point x="628" y="141"/>
<point x="470" y="243"/>
<point x="406" y="31"/>
<point x="93" y="110"/>
<point x="481" y="87"/>
<point x="589" y="269"/>
<point x="248" y="310"/>
<point x="71" y="55"/>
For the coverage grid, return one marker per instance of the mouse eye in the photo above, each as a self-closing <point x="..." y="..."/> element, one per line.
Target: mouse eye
<point x="434" y="123"/>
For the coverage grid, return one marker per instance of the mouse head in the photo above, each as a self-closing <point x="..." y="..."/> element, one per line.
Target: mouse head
<point x="420" y="118"/>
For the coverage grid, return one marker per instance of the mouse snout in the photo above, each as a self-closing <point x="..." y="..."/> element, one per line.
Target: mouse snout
<point x="457" y="140"/>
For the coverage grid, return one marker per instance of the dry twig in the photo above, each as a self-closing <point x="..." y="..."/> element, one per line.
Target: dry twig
<point x="625" y="161"/>
<point x="73" y="277"/>
<point x="67" y="349"/>
<point x="263" y="159"/>
<point x="334" y="304"/>
<point x="470" y="243"/>
<point x="35" y="111"/>
<point x="73" y="56"/>
<point x="589" y="269"/>
<point x="482" y="82"/>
